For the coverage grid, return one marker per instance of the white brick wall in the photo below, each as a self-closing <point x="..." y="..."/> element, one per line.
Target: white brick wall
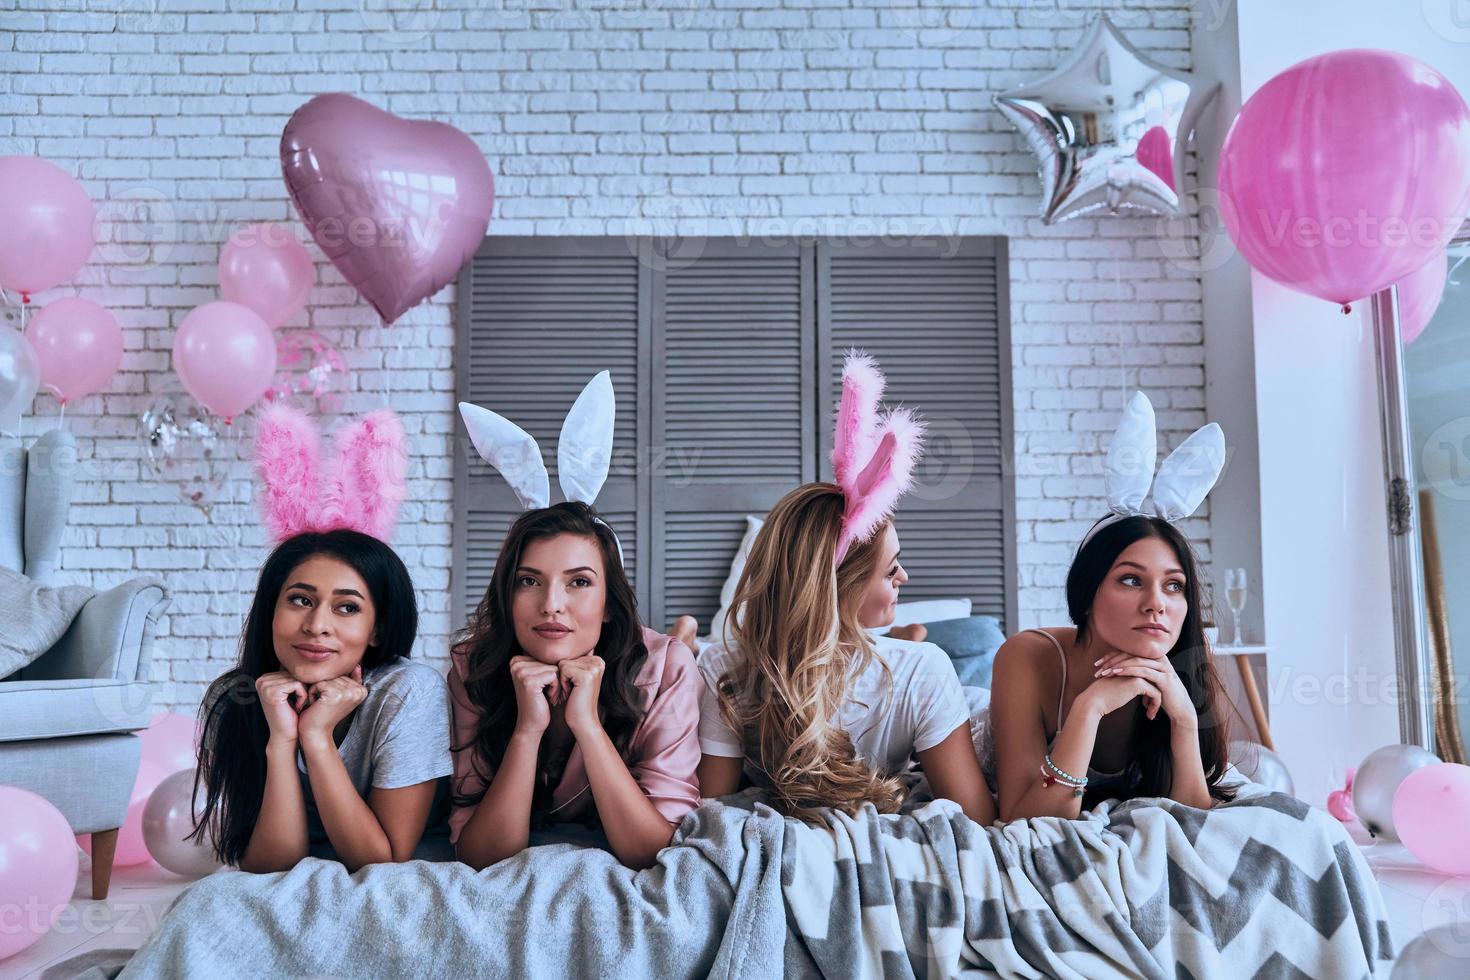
<point x="598" y="117"/>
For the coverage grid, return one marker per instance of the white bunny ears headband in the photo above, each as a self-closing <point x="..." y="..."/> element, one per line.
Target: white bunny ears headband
<point x="583" y="451"/>
<point x="873" y="455"/>
<point x="1184" y="478"/>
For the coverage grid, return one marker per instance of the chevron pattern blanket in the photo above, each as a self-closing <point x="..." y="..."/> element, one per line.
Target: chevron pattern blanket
<point x="1262" y="887"/>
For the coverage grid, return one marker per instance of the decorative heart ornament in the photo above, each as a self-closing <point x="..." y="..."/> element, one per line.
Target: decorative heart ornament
<point x="397" y="205"/>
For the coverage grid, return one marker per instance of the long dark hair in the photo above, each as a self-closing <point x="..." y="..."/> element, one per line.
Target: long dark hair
<point x="232" y="747"/>
<point x="1190" y="656"/>
<point x="489" y="640"/>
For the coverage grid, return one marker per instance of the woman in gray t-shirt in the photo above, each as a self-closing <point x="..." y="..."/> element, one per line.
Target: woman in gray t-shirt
<point x="325" y="738"/>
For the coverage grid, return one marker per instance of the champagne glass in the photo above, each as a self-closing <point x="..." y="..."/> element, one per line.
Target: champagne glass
<point x="1236" y="586"/>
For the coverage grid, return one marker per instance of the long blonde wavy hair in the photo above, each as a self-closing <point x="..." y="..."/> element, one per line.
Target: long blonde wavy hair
<point x="800" y="647"/>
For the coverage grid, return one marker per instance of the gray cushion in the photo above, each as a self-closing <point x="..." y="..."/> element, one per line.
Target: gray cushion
<point x="51" y="465"/>
<point x="12" y="504"/>
<point x="35" y="617"/>
<point x="971" y="644"/>
<point x="59" y="708"/>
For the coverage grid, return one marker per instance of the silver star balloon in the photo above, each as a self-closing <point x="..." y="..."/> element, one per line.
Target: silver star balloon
<point x="1109" y="127"/>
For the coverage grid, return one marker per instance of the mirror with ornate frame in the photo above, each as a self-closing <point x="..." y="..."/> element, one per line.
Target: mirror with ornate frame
<point x="1424" y="394"/>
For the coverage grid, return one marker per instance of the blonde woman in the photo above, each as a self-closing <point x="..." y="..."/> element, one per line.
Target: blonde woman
<point x="804" y="702"/>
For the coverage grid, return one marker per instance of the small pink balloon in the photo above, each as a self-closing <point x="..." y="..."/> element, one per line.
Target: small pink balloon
<point x="1419" y="295"/>
<point x="264" y="266"/>
<point x="47" y="223"/>
<point x="131" y="848"/>
<point x="226" y="356"/>
<point x="1340" y="805"/>
<point x="1346" y="172"/>
<point x="1431" y="811"/>
<point x="38" y="867"/>
<point x="79" y="344"/>
<point x="171" y="742"/>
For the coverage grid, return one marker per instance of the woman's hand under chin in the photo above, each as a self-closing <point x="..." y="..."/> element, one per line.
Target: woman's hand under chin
<point x="583" y="676"/>
<point x="1173" y="697"/>
<point x="330" y="701"/>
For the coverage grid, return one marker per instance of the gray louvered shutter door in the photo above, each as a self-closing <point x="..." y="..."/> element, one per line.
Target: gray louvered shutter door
<point x="936" y="316"/>
<point x="538" y="317"/>
<point x="733" y="409"/>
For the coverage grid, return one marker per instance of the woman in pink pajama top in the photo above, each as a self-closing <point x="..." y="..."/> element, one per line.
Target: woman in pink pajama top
<point x="566" y="709"/>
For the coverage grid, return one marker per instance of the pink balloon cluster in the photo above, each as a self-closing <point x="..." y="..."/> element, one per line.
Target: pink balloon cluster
<point x="48" y="234"/>
<point x="1348" y="173"/>
<point x="225" y="352"/>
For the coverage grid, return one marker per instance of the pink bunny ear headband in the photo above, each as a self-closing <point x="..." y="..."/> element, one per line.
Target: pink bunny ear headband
<point x="873" y="455"/>
<point x="359" y="489"/>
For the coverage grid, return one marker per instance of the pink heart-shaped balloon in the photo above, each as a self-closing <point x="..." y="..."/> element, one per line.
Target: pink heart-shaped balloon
<point x="397" y="205"/>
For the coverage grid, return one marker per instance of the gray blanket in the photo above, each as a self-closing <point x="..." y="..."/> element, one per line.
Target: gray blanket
<point x="1264" y="886"/>
<point x="35" y="617"/>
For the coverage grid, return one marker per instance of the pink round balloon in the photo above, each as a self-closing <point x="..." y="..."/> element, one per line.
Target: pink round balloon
<point x="171" y="742"/>
<point x="79" y="344"/>
<point x="1346" y="172"/>
<point x="131" y="848"/>
<point x="1419" y="295"/>
<point x="226" y="356"/>
<point x="264" y="267"/>
<point x="1431" y="811"/>
<point x="398" y="206"/>
<point x="38" y="867"/>
<point x="47" y="220"/>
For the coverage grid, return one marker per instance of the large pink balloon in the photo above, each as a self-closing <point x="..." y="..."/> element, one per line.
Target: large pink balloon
<point x="171" y="742"/>
<point x="1431" y="812"/>
<point x="38" y="867"/>
<point x="1419" y="295"/>
<point x="1347" y="172"/>
<point x="264" y="267"/>
<point x="79" y="344"/>
<point x="226" y="356"/>
<point x="398" y="206"/>
<point x="46" y="224"/>
<point x="131" y="848"/>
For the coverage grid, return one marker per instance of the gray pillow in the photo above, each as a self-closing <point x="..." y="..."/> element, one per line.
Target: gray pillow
<point x="971" y="644"/>
<point x="35" y="617"/>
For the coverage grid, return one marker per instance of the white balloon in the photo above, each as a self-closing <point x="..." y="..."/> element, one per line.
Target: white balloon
<point x="1443" y="951"/>
<point x="168" y="819"/>
<point x="1376" y="781"/>
<point x="1260" y="765"/>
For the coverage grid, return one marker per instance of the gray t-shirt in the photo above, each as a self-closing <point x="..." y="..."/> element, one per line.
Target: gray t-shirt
<point x="399" y="737"/>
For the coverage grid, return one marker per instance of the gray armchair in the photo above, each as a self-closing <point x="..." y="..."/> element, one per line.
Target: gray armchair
<point x="68" y="720"/>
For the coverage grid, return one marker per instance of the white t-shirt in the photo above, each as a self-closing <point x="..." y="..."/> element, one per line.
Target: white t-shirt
<point x="889" y="716"/>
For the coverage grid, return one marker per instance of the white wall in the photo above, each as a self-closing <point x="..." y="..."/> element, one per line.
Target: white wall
<point x="697" y="116"/>
<point x="1328" y="616"/>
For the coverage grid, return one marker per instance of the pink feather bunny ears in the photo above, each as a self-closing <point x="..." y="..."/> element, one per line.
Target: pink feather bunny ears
<point x="359" y="489"/>
<point x="873" y="454"/>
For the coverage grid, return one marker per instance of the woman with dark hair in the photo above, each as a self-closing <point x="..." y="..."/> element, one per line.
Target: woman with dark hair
<point x="325" y="738"/>
<point x="1127" y="703"/>
<point x="566" y="708"/>
<point x="1128" y="700"/>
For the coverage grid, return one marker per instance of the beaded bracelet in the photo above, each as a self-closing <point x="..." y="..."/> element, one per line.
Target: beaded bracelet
<point x="1063" y="774"/>
<point x="1051" y="774"/>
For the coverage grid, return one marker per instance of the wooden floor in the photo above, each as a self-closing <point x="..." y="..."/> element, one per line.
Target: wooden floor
<point x="1417" y="900"/>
